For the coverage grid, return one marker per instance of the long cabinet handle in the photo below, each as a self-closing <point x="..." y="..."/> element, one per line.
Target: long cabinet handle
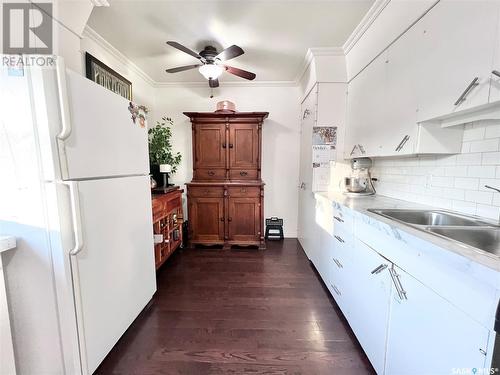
<point x="336" y="289"/>
<point x="353" y="149"/>
<point x="466" y="92"/>
<point x="362" y="149"/>
<point x="379" y="269"/>
<point x="338" y="238"/>
<point x="340" y="220"/>
<point x="397" y="283"/>
<point x="401" y="144"/>
<point x="337" y="262"/>
<point x="496" y="73"/>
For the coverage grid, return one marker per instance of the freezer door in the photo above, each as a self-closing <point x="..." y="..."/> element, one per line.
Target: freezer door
<point x="100" y="139"/>
<point x="114" y="272"/>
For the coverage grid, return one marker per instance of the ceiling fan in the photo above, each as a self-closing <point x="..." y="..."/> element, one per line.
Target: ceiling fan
<point x="212" y="66"/>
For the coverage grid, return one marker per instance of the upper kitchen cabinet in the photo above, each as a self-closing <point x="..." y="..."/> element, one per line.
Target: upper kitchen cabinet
<point x="366" y="110"/>
<point x="455" y="50"/>
<point x="495" y="71"/>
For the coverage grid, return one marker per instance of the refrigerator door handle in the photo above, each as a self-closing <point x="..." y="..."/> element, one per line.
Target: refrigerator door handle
<point x="76" y="217"/>
<point x="62" y="89"/>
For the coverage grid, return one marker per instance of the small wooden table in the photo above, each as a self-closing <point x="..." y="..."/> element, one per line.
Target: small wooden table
<point x="167" y="224"/>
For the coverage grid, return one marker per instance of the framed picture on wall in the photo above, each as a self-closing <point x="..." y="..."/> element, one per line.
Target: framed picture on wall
<point x="103" y="75"/>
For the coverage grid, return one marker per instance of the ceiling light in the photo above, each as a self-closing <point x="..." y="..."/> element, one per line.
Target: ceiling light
<point x="210" y="71"/>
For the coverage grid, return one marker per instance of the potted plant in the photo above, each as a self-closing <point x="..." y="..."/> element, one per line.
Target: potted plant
<point x="160" y="148"/>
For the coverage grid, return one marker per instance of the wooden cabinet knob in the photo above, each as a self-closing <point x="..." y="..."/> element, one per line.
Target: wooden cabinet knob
<point x="243" y="173"/>
<point x="229" y="219"/>
<point x="221" y="219"/>
<point x="230" y="145"/>
<point x="211" y="173"/>
<point x="224" y="145"/>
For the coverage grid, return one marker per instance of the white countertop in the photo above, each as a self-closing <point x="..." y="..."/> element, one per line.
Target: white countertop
<point x="7" y="243"/>
<point x="362" y="204"/>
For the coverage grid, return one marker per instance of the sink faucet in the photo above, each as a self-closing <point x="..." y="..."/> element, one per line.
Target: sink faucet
<point x="497" y="190"/>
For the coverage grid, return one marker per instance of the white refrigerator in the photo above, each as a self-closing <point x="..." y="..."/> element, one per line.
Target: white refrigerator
<point x="94" y="171"/>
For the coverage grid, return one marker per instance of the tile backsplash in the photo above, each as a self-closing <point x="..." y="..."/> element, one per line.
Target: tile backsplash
<point x="453" y="182"/>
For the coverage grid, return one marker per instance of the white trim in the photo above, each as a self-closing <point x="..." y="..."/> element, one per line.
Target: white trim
<point x="316" y="51"/>
<point x="90" y="33"/>
<point x="365" y="23"/>
<point x="229" y="84"/>
<point x="100" y="3"/>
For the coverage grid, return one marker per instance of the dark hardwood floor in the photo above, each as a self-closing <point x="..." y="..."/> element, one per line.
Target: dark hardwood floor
<point x="239" y="312"/>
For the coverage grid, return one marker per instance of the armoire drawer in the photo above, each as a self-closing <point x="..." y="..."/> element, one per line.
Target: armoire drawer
<point x="243" y="174"/>
<point x="244" y="191"/>
<point x="206" y="191"/>
<point x="209" y="174"/>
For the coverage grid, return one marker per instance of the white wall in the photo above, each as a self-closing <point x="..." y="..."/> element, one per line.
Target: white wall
<point x="143" y="90"/>
<point x="280" y="144"/>
<point x="453" y="182"/>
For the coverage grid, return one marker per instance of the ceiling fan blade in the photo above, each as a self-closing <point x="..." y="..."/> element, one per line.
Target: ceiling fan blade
<point x="183" y="68"/>
<point x="213" y="83"/>
<point x="184" y="49"/>
<point x="240" y="72"/>
<point x="230" y="53"/>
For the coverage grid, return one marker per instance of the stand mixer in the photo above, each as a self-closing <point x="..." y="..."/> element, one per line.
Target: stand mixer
<point x="360" y="183"/>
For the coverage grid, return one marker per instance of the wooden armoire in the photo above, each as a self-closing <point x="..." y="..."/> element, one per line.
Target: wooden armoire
<point x="226" y="195"/>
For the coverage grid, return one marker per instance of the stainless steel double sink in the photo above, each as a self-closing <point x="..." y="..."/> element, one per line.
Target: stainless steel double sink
<point x="456" y="227"/>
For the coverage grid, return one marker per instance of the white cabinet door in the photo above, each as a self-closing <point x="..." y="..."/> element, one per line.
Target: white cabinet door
<point x="428" y="335"/>
<point x="366" y="110"/>
<point x="307" y="203"/>
<point x="495" y="76"/>
<point x="369" y="295"/>
<point x="455" y="47"/>
<point x="398" y="134"/>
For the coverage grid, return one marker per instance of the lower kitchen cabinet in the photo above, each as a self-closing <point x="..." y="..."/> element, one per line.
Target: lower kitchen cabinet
<point x="428" y="335"/>
<point x="368" y="294"/>
<point x="404" y="326"/>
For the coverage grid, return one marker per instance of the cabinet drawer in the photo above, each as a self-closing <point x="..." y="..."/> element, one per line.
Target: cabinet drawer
<point x="243" y="174"/>
<point x="244" y="191"/>
<point x="205" y="191"/>
<point x="342" y="217"/>
<point x="157" y="210"/>
<point x="209" y="174"/>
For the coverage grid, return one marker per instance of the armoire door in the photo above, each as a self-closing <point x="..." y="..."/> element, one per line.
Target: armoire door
<point x="210" y="146"/>
<point x="206" y="217"/>
<point x="244" y="219"/>
<point x="243" y="146"/>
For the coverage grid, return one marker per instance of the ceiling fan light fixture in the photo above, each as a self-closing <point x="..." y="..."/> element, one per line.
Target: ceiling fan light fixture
<point x="211" y="71"/>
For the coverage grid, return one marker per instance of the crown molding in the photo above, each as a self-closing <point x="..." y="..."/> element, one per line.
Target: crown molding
<point x="228" y="84"/>
<point x="100" y="3"/>
<point x="365" y="23"/>
<point x="90" y="33"/>
<point x="93" y="35"/>
<point x="317" y="51"/>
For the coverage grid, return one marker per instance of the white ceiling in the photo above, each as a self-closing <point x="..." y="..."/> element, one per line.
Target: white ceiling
<point x="274" y="34"/>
